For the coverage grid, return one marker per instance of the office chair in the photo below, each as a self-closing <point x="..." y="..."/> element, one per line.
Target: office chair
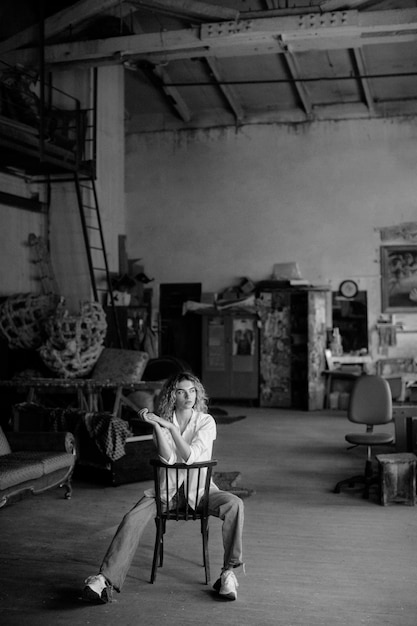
<point x="184" y="482"/>
<point x="370" y="404"/>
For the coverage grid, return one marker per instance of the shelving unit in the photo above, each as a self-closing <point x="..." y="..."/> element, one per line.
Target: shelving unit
<point x="292" y="344"/>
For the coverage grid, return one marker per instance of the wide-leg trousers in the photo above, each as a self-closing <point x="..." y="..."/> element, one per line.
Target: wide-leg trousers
<point x="125" y="542"/>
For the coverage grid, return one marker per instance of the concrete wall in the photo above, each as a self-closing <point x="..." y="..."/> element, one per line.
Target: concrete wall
<point x="213" y="206"/>
<point x="67" y="243"/>
<point x="18" y="273"/>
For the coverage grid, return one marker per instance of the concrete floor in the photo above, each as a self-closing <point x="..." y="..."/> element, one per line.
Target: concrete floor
<point x="313" y="558"/>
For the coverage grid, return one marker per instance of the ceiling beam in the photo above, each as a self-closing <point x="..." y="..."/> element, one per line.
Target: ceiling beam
<point x="114" y="49"/>
<point x="346" y="111"/>
<point x="172" y="93"/>
<point x="329" y="31"/>
<point x="55" y="24"/>
<point x="298" y="84"/>
<point x="227" y="91"/>
<point x="338" y="5"/>
<point x="188" y="9"/>
<point x="360" y="63"/>
<point x="255" y="15"/>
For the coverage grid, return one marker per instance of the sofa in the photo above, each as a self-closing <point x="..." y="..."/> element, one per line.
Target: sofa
<point x="32" y="462"/>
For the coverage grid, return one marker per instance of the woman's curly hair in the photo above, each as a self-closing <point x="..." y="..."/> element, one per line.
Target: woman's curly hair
<point x="166" y="399"/>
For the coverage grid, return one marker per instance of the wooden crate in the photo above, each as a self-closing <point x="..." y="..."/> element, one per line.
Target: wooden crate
<point x="397" y="478"/>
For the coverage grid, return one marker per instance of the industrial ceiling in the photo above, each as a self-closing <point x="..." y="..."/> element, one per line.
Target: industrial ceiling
<point x="196" y="64"/>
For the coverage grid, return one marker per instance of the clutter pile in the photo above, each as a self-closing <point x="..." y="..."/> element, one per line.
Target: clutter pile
<point x="242" y="297"/>
<point x="74" y="342"/>
<point x="239" y="297"/>
<point x="69" y="345"/>
<point x="22" y="318"/>
<point x="128" y="290"/>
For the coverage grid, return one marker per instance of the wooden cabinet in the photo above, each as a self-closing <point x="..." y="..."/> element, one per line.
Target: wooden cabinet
<point x="292" y="344"/>
<point x="230" y="356"/>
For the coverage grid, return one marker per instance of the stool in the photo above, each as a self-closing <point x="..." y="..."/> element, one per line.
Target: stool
<point x="397" y="478"/>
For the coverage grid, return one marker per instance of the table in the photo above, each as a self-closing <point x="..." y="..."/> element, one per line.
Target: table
<point x="363" y="361"/>
<point x="87" y="390"/>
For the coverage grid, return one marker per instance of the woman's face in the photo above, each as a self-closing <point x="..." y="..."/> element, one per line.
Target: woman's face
<point x="185" y="395"/>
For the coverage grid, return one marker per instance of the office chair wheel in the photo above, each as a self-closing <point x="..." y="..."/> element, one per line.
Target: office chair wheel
<point x="350" y="483"/>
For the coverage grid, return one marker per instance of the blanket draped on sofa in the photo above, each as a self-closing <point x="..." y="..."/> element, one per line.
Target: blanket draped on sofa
<point x="108" y="432"/>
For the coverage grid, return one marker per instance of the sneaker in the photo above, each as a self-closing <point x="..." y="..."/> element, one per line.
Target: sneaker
<point x="227" y="585"/>
<point x="97" y="589"/>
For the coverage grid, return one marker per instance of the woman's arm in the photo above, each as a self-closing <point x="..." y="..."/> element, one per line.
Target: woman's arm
<point x="182" y="446"/>
<point x="202" y="439"/>
<point x="159" y="424"/>
<point x="162" y="445"/>
<point x="189" y="453"/>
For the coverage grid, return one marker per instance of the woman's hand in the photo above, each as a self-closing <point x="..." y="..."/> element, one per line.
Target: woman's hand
<point x="152" y="418"/>
<point x="164" y="449"/>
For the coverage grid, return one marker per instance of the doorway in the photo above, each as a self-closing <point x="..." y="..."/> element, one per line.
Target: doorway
<point x="350" y="315"/>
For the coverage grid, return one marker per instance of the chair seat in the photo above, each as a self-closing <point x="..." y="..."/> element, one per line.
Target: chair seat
<point x="369" y="439"/>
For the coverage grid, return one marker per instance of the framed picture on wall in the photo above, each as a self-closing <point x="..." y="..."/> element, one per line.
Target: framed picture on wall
<point x="399" y="278"/>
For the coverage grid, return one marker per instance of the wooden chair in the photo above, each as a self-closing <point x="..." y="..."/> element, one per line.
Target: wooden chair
<point x="186" y="481"/>
<point x="370" y="404"/>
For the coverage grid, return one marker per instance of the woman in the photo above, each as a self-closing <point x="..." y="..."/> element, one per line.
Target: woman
<point x="183" y="432"/>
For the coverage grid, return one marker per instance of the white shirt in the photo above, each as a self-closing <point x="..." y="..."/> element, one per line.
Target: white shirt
<point x="200" y="434"/>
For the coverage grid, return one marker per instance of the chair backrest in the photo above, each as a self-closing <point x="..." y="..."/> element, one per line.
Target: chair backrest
<point x="370" y="401"/>
<point x="184" y="487"/>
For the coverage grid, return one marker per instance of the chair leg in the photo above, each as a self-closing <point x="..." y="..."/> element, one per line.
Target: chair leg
<point x="158" y="549"/>
<point x="328" y="390"/>
<point x="350" y="482"/>
<point x="367" y="479"/>
<point x="205" y="534"/>
<point x="370" y="478"/>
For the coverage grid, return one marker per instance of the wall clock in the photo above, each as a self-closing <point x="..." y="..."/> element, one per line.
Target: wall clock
<point x="348" y="289"/>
